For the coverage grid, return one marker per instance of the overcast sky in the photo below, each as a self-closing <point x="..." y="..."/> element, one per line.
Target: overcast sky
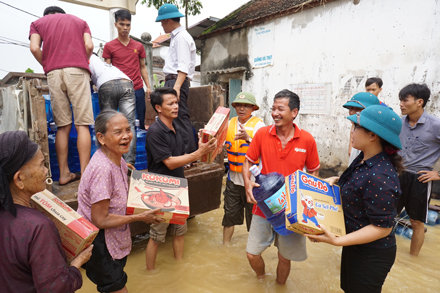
<point x="15" y="24"/>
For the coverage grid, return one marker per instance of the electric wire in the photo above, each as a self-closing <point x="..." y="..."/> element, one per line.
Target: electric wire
<point x="24" y="11"/>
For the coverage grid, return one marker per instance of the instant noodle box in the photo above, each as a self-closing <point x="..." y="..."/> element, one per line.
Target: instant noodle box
<point x="312" y="202"/>
<point x="149" y="191"/>
<point x="76" y="232"/>
<point x="217" y="127"/>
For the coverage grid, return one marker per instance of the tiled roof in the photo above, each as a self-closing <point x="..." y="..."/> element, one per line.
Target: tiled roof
<point x="257" y="11"/>
<point x="157" y="42"/>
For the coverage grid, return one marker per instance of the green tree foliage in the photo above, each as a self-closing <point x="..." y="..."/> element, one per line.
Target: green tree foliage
<point x="192" y="7"/>
<point x="29" y="70"/>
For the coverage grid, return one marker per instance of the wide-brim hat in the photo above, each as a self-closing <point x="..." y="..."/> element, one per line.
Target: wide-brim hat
<point x="362" y="100"/>
<point x="245" y="98"/>
<point x="382" y="121"/>
<point x="168" y="11"/>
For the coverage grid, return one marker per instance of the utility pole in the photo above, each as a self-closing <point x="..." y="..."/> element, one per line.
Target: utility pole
<point x="186" y="14"/>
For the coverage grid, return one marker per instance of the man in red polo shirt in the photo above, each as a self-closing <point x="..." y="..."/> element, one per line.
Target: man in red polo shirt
<point x="129" y="57"/>
<point x="67" y="45"/>
<point x="284" y="148"/>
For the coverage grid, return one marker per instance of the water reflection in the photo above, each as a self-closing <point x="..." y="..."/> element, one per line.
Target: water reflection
<point x="208" y="266"/>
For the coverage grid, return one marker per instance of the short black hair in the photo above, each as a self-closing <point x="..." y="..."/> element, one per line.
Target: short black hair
<point x="176" y="19"/>
<point x="294" y="102"/>
<point x="417" y="90"/>
<point x="122" y="14"/>
<point x="156" y="97"/>
<point x="373" y="80"/>
<point x="53" y="10"/>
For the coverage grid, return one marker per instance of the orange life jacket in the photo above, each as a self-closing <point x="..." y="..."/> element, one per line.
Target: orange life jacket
<point x="237" y="148"/>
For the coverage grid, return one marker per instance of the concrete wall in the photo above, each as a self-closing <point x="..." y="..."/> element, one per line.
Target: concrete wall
<point x="342" y="44"/>
<point x="225" y="51"/>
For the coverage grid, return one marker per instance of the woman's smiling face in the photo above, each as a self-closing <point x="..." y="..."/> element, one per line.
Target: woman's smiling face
<point x="118" y="135"/>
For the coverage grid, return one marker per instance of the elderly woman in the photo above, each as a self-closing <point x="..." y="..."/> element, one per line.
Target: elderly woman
<point x="32" y="259"/>
<point x="102" y="199"/>
<point x="369" y="189"/>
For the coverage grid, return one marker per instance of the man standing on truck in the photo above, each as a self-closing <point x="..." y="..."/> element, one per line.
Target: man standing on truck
<point x="179" y="68"/>
<point x="283" y="148"/>
<point x="67" y="48"/>
<point x="129" y="56"/>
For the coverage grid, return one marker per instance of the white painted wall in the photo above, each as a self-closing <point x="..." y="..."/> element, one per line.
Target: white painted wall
<point x="397" y="40"/>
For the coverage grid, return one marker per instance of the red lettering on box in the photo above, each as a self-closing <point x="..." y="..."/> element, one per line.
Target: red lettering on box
<point x="315" y="184"/>
<point x="45" y="203"/>
<point x="160" y="179"/>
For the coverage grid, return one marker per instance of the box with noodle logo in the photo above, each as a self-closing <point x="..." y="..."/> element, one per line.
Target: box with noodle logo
<point x="217" y="127"/>
<point x="312" y="202"/>
<point x="149" y="191"/>
<point x="76" y="232"/>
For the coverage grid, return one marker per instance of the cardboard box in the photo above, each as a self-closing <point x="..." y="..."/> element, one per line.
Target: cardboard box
<point x="311" y="202"/>
<point x="149" y="191"/>
<point x="76" y="232"/>
<point x="217" y="127"/>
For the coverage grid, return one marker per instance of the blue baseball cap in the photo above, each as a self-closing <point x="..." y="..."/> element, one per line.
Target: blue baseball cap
<point x="362" y="100"/>
<point x="382" y="121"/>
<point x="168" y="11"/>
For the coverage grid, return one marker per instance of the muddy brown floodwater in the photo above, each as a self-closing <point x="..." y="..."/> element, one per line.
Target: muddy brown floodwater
<point x="209" y="266"/>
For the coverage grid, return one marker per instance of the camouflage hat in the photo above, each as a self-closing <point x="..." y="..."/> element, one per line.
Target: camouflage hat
<point x="245" y="98"/>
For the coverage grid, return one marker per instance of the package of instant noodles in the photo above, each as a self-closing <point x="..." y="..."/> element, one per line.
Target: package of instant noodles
<point x="149" y="191"/>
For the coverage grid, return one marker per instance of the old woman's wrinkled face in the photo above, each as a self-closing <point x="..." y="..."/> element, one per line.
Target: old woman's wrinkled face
<point x="33" y="174"/>
<point x="118" y="136"/>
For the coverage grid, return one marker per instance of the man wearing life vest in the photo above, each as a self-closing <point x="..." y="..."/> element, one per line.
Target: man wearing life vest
<point x="241" y="130"/>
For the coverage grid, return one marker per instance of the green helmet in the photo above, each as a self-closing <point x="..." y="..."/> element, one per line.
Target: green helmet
<point x="245" y="98"/>
<point x="168" y="11"/>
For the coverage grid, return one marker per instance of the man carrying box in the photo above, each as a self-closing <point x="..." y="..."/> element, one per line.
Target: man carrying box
<point x="283" y="148"/>
<point x="241" y="130"/>
<point x="166" y="155"/>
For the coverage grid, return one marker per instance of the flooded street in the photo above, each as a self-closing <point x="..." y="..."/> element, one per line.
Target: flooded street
<point x="209" y="266"/>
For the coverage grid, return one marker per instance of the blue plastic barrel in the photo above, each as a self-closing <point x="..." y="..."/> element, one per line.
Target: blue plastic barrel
<point x="399" y="230"/>
<point x="271" y="187"/>
<point x="95" y="104"/>
<point x="94" y="140"/>
<point x="433" y="218"/>
<point x="52" y="131"/>
<point x="141" y="153"/>
<point x="49" y="114"/>
<point x="73" y="155"/>
<point x="408" y="233"/>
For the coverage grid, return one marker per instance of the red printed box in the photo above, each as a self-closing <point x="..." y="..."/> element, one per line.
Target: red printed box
<point x="149" y="191"/>
<point x="217" y="127"/>
<point x="76" y="232"/>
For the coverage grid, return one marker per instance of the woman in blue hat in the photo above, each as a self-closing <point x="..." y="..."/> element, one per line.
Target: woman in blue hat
<point x="369" y="189"/>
